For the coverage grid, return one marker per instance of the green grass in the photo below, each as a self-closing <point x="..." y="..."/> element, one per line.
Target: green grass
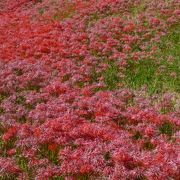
<point x="51" y="155"/>
<point x="23" y="163"/>
<point x="9" y="177"/>
<point x="166" y="128"/>
<point x="3" y="95"/>
<point x="111" y="76"/>
<point x="158" y="77"/>
<point x="136" y="10"/>
<point x="137" y="136"/>
<point x="41" y="11"/>
<point x="148" y="146"/>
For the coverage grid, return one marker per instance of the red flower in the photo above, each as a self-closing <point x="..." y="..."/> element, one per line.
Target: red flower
<point x="37" y="132"/>
<point x="129" y="28"/>
<point x="155" y="21"/>
<point x="10" y="134"/>
<point x="52" y="147"/>
<point x="86" y="168"/>
<point x="11" y="152"/>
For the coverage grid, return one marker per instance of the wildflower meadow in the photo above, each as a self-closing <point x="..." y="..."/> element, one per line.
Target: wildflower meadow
<point x="89" y="89"/>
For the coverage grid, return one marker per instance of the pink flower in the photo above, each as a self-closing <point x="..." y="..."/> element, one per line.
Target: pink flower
<point x="155" y="21"/>
<point x="11" y="152"/>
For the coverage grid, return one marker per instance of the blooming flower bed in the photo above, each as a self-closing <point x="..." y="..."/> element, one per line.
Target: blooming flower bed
<point x="64" y="111"/>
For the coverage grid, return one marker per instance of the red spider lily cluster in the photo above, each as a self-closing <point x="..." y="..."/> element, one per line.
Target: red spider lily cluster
<point x="57" y="116"/>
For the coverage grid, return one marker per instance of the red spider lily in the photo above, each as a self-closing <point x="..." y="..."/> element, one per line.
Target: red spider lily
<point x="10" y="134"/>
<point x="54" y="97"/>
<point x="52" y="147"/>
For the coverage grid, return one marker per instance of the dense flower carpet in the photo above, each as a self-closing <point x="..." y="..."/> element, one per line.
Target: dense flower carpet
<point x="66" y="112"/>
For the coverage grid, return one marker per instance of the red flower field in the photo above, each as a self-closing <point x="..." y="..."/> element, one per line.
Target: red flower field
<point x="89" y="90"/>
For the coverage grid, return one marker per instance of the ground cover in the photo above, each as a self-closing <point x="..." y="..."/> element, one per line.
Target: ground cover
<point x="89" y="89"/>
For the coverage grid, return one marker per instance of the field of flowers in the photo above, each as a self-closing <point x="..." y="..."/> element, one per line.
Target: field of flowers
<point x="89" y="90"/>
